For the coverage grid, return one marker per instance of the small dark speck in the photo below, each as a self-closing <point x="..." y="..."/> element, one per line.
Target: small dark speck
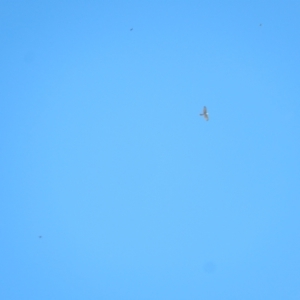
<point x="40" y="236"/>
<point x="260" y="24"/>
<point x="131" y="29"/>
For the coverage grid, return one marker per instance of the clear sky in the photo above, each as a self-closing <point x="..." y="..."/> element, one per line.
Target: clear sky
<point x="113" y="187"/>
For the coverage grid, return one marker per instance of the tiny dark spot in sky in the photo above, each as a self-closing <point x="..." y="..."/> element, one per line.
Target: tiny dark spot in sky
<point x="40" y="236"/>
<point x="131" y="29"/>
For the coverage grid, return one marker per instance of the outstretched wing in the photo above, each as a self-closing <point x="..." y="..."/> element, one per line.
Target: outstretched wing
<point x="204" y="110"/>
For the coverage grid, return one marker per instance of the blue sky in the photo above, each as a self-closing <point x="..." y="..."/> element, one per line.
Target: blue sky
<point x="104" y="154"/>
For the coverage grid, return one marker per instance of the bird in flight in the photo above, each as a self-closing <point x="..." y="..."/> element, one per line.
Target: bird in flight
<point x="204" y="113"/>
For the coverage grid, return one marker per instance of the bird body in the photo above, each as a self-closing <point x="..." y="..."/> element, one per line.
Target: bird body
<point x="205" y="113"/>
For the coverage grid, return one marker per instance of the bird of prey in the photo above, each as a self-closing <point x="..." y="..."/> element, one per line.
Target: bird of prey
<point x="204" y="113"/>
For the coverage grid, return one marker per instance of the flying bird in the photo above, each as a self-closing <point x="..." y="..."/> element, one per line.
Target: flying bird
<point x="204" y="113"/>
